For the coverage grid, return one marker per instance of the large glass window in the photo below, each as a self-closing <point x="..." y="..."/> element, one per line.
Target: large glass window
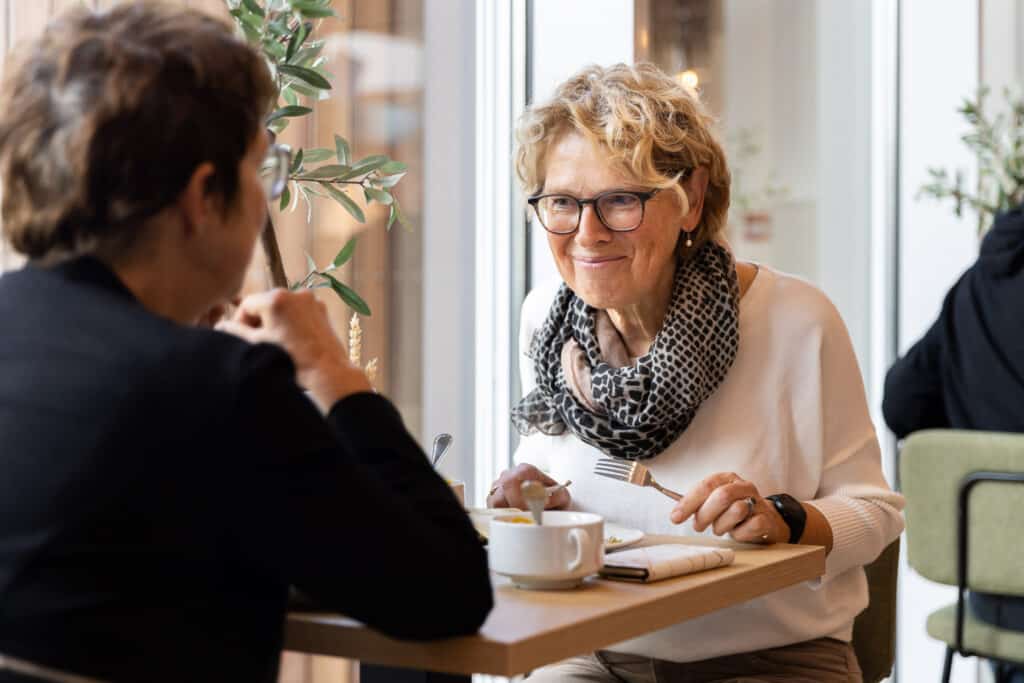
<point x="790" y="82"/>
<point x="375" y="55"/>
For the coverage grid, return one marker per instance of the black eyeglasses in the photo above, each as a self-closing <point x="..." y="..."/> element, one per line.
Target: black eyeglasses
<point x="618" y="210"/>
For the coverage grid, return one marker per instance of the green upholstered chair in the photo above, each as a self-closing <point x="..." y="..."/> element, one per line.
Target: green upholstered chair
<point x="874" y="630"/>
<point x="965" y="513"/>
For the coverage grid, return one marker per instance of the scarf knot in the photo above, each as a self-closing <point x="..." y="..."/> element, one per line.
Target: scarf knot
<point x="629" y="409"/>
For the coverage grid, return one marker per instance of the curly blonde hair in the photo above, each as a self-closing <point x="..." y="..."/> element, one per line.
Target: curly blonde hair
<point x="654" y="130"/>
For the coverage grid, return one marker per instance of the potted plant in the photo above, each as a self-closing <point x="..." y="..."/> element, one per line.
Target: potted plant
<point x="998" y="144"/>
<point x="283" y="31"/>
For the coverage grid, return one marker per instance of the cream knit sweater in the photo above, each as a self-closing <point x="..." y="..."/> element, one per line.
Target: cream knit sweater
<point x="791" y="417"/>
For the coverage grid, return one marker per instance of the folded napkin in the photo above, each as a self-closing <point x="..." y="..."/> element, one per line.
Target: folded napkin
<point x="657" y="562"/>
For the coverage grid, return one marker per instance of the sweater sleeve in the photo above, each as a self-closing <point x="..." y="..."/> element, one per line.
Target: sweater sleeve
<point x="349" y="510"/>
<point x="853" y="495"/>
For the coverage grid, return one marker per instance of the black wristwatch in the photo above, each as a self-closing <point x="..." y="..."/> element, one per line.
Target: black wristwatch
<point x="792" y="513"/>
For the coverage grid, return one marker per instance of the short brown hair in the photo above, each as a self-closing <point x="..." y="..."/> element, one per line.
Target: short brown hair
<point x="653" y="128"/>
<point x="107" y="114"/>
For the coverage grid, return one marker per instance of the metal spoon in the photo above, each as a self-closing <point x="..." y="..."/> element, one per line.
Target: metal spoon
<point x="441" y="443"/>
<point x="535" y="496"/>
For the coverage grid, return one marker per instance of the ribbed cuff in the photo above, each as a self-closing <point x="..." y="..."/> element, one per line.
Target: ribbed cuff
<point x="854" y="532"/>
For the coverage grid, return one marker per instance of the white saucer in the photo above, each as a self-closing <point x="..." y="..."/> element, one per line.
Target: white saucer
<point x="537" y="583"/>
<point x="624" y="536"/>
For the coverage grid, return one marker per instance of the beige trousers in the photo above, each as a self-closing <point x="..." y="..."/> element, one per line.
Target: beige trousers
<point x="824" y="660"/>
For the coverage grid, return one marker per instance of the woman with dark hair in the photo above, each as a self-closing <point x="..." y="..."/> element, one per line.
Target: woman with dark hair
<point x="162" y="483"/>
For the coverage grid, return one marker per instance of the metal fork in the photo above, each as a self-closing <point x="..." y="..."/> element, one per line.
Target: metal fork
<point x="633" y="472"/>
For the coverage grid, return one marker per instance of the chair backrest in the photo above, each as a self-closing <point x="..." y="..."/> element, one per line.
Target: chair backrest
<point x="874" y="630"/>
<point x="932" y="465"/>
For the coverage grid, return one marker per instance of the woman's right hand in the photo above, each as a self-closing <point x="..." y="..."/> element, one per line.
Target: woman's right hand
<point x="506" y="492"/>
<point x="298" y="322"/>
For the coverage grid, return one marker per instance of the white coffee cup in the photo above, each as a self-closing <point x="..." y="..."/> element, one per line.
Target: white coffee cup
<point x="568" y="547"/>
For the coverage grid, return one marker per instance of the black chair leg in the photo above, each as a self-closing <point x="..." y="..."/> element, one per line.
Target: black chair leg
<point x="947" y="668"/>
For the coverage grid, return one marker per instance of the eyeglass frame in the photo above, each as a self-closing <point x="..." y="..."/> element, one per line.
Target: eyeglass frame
<point x="642" y="195"/>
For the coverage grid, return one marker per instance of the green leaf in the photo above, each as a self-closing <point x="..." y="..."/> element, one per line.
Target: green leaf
<point x="310" y="264"/>
<point x="291" y="111"/>
<point x="392" y="167"/>
<point x="306" y="75"/>
<point x="289" y="96"/>
<point x="273" y="50"/>
<point x="345" y="254"/>
<point x="308" y="53"/>
<point x="304" y="191"/>
<point x="286" y="197"/>
<point x="296" y="162"/>
<point x="388" y="180"/>
<point x="392" y="214"/>
<point x="253" y="7"/>
<point x="364" y="166"/>
<point x="278" y="26"/>
<point x="348" y="295"/>
<point x="314" y="189"/>
<point x="400" y="216"/>
<point x="379" y="195"/>
<point x="346" y="202"/>
<point x="310" y="8"/>
<point x="245" y="18"/>
<point x="318" y="154"/>
<point x="298" y="38"/>
<point x="328" y="171"/>
<point x="251" y="34"/>
<point x="341" y="149"/>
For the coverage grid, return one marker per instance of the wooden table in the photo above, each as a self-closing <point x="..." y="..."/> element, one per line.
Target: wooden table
<point x="528" y="629"/>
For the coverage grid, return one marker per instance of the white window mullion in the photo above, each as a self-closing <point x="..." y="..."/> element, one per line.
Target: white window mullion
<point x="500" y="63"/>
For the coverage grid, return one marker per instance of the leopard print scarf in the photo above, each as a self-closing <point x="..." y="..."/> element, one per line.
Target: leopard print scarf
<point x="646" y="406"/>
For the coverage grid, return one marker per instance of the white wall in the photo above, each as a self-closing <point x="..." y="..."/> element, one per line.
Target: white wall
<point x="939" y="65"/>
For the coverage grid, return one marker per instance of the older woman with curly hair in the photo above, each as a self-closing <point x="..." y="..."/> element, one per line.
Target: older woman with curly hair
<point x="731" y="381"/>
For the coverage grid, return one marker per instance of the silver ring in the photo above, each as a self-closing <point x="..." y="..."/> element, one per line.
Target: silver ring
<point x="764" y="538"/>
<point x="750" y="507"/>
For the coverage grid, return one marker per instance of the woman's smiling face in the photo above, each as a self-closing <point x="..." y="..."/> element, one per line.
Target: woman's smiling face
<point x="608" y="269"/>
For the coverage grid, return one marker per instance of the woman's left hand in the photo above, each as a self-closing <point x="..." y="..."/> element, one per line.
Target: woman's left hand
<point x="731" y="505"/>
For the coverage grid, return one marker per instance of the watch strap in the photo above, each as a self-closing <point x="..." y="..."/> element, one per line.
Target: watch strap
<point x="792" y="513"/>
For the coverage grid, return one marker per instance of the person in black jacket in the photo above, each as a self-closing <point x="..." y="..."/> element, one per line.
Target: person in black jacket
<point x="967" y="372"/>
<point x="163" y="484"/>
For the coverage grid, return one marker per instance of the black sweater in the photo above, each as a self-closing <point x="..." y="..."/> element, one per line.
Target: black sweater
<point x="162" y="486"/>
<point x="967" y="372"/>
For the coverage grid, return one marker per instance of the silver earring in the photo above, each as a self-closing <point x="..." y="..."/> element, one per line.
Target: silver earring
<point x="689" y="241"/>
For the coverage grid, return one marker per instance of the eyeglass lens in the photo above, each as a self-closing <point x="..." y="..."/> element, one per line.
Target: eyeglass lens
<point x="617" y="210"/>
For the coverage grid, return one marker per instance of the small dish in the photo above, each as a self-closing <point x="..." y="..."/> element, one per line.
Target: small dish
<point x="616" y="536"/>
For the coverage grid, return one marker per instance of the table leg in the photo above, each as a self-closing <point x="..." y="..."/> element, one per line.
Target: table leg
<point x="371" y="673"/>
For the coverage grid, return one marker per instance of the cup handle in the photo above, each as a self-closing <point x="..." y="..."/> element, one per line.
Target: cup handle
<point x="580" y="538"/>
